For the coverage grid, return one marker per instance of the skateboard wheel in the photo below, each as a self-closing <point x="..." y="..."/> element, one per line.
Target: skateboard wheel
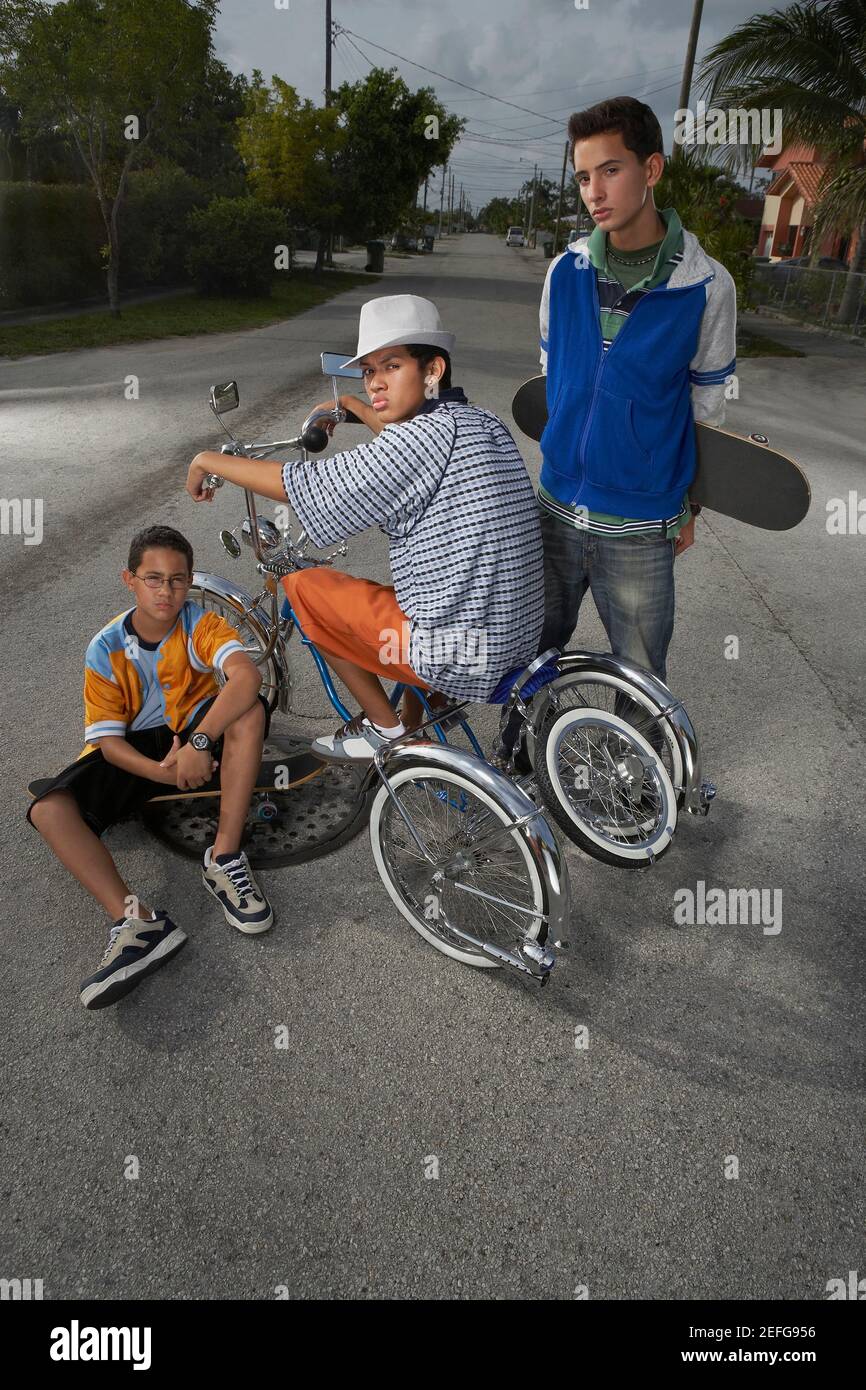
<point x="267" y="810"/>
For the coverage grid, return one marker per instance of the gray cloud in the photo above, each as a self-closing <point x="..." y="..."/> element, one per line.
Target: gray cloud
<point x="542" y="54"/>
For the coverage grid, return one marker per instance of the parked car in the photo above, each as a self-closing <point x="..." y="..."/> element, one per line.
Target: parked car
<point x="514" y="237"/>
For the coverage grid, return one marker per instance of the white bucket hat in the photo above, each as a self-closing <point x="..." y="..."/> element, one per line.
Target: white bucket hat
<point x="396" y="319"/>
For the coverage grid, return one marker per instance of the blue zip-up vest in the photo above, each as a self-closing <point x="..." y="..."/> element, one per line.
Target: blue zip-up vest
<point x="620" y="432"/>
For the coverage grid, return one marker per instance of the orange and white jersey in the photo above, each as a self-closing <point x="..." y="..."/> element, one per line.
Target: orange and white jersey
<point x="118" y="682"/>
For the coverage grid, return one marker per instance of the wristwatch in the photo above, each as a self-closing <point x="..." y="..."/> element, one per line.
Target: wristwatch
<point x="202" y="743"/>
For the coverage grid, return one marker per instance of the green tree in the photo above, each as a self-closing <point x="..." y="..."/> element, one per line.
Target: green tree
<point x="353" y="167"/>
<point x="501" y="213"/>
<point x="809" y="61"/>
<point x="288" y="146"/>
<point x="546" y="199"/>
<point x="109" y="74"/>
<point x="392" y="139"/>
<point x="704" y="196"/>
<point x="201" y="140"/>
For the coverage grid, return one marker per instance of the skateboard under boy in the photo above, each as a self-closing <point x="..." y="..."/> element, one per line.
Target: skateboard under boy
<point x="301" y="807"/>
<point x="741" y="478"/>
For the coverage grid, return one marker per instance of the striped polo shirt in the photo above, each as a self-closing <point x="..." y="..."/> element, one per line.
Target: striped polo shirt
<point x="622" y="283"/>
<point x="450" y="490"/>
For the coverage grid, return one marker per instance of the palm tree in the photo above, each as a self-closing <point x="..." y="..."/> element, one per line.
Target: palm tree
<point x="809" y="61"/>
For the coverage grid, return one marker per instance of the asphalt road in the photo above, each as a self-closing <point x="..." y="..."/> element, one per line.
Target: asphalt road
<point x="304" y="1168"/>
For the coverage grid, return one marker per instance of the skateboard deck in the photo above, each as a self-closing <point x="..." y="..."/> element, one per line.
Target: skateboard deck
<point x="740" y="477"/>
<point x="301" y="770"/>
<point x="316" y="807"/>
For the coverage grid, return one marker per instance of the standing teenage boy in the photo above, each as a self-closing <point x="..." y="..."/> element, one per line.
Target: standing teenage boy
<point x="155" y="717"/>
<point x="638" y="336"/>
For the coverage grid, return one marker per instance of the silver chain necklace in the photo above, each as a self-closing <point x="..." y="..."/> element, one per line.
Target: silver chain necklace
<point x="612" y="256"/>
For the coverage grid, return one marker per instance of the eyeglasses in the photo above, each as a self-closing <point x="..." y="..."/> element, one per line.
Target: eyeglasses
<point x="156" y="581"/>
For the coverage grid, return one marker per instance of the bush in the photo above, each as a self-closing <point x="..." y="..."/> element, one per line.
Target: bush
<point x="704" y="198"/>
<point x="153" y="237"/>
<point x="50" y="235"/>
<point x="232" y="246"/>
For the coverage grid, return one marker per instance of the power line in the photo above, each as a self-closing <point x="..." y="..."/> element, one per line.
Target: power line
<point x="490" y="96"/>
<point x="532" y="144"/>
<point x="352" y="66"/>
<point x="341" y="33"/>
<point x="445" y="78"/>
<point x="592" y="82"/>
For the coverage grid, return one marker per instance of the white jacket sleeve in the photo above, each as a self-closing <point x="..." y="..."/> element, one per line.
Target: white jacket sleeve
<point x="544" y="312"/>
<point x="716" y="357"/>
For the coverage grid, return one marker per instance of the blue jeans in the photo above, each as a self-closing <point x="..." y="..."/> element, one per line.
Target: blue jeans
<point x="631" y="579"/>
<point x="632" y="582"/>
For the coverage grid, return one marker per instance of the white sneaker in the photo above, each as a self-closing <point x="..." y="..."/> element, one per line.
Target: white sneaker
<point x="356" y="741"/>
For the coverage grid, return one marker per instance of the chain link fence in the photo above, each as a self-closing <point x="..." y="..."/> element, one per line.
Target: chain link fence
<point x="831" y="299"/>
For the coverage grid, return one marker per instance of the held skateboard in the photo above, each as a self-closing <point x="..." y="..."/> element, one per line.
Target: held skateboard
<point x="741" y="478"/>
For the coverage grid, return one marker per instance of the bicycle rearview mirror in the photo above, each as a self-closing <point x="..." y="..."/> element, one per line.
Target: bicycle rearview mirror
<point x="332" y="366"/>
<point x="224" y="397"/>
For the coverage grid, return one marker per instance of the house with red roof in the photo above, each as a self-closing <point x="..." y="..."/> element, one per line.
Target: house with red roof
<point x="789" y="207"/>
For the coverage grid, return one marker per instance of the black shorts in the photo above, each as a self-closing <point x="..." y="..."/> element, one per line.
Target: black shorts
<point x="107" y="794"/>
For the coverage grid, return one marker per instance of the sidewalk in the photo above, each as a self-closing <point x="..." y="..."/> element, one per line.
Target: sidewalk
<point x="816" y="342"/>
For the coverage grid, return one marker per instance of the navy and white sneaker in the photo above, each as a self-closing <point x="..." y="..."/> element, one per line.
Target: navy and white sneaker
<point x="135" y="949"/>
<point x="230" y="879"/>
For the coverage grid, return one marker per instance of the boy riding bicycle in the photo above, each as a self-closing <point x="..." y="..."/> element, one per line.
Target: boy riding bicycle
<point x="447" y="484"/>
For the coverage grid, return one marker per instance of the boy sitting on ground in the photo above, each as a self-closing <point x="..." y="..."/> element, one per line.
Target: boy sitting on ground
<point x="155" y="717"/>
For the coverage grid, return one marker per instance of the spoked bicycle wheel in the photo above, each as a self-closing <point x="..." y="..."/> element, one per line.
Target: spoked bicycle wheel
<point x="606" y="786"/>
<point x="494" y="889"/>
<point x="616" y="695"/>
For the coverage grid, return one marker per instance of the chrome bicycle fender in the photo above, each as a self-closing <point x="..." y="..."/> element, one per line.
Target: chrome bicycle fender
<point x="255" y="615"/>
<point x="539" y="836"/>
<point x="697" y="794"/>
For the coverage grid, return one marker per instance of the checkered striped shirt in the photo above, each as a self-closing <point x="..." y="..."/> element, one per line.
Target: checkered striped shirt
<point x="450" y="490"/>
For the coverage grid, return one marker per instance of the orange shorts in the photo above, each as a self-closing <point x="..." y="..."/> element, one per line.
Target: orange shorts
<point x="355" y="619"/>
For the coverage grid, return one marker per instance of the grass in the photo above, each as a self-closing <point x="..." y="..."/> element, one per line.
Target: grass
<point x="174" y="318"/>
<point x="758" y="345"/>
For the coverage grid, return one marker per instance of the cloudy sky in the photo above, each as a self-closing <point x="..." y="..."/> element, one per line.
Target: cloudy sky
<point x="546" y="56"/>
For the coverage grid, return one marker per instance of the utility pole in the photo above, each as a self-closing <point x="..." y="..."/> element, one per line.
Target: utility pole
<point x="329" y="40"/>
<point x="460" y="219"/>
<point x="532" y="203"/>
<point x="451" y="205"/>
<point x="426" y="181"/>
<point x="561" y="193"/>
<point x="688" y="69"/>
<point x="442" y="197"/>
